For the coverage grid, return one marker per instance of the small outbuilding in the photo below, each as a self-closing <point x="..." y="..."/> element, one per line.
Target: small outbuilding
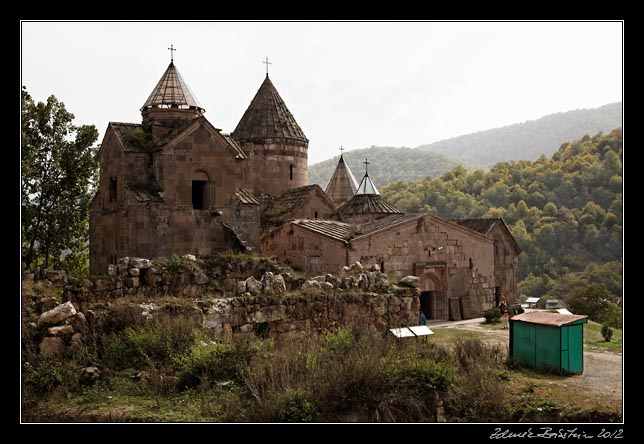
<point x="548" y="341"/>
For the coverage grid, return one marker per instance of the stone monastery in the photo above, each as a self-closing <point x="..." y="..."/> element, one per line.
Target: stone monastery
<point x="176" y="184"/>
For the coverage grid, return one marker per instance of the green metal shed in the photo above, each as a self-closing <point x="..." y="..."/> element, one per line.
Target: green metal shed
<point x="548" y="341"/>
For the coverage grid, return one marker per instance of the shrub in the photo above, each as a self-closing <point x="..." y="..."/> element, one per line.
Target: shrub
<point x="607" y="333"/>
<point x="340" y="341"/>
<point x="492" y="315"/>
<point x="515" y="310"/>
<point x="423" y="375"/>
<point x="211" y="362"/>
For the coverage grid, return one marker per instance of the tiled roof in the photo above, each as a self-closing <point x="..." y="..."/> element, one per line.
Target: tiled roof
<point x="482" y="226"/>
<point x="245" y="196"/>
<point x="386" y="222"/>
<point x="286" y="203"/>
<point x="333" y="229"/>
<point x="143" y="194"/>
<point x="235" y="145"/>
<point x="342" y="185"/>
<point x="546" y="318"/>
<point x="366" y="204"/>
<point x="172" y="91"/>
<point x="267" y="116"/>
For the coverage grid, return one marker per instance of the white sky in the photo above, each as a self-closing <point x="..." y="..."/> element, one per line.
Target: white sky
<point x="354" y="84"/>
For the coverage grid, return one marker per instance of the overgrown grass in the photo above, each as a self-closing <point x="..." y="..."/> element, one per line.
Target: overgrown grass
<point x="170" y="370"/>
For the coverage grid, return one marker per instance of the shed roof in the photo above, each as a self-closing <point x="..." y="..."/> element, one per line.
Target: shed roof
<point x="246" y="197"/>
<point x="546" y="318"/>
<point x="330" y="228"/>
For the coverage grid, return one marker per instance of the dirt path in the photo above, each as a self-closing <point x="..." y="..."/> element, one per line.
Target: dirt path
<point x="602" y="370"/>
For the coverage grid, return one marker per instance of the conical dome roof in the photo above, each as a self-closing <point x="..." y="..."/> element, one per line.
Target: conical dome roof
<point x="342" y="184"/>
<point x="267" y="116"/>
<point x="172" y="92"/>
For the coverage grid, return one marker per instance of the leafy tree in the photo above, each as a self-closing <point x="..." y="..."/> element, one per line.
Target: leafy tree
<point x="59" y="169"/>
<point x="593" y="300"/>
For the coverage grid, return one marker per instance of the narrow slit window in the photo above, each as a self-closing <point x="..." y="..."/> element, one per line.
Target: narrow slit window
<point x="291" y="172"/>
<point x="316" y="215"/>
<point x="471" y="264"/>
<point x="113" y="188"/>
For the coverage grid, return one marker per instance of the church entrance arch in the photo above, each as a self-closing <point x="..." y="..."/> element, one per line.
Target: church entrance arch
<point x="433" y="291"/>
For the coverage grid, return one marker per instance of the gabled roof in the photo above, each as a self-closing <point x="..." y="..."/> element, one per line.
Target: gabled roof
<point x="366" y="204"/>
<point x="268" y="117"/>
<point x="342" y="185"/>
<point x="367" y="186"/>
<point x="292" y="199"/>
<point x="386" y="222"/>
<point x="172" y="91"/>
<point x="329" y="228"/>
<point x="545" y="318"/>
<point x="485" y="227"/>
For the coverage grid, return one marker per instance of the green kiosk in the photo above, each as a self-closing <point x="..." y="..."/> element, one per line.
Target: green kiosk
<point x="549" y="341"/>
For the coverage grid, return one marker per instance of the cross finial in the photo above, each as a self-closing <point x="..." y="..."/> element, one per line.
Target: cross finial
<point x="366" y="167"/>
<point x="267" y="63"/>
<point x="171" y="49"/>
<point x="341" y="149"/>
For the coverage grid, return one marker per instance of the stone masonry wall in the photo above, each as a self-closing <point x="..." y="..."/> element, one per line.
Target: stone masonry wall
<point x="268" y="303"/>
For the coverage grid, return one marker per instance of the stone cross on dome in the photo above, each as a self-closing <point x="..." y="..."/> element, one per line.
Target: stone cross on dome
<point x="366" y="167"/>
<point x="171" y="49"/>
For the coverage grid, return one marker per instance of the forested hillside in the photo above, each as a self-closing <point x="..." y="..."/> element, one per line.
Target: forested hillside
<point x="564" y="211"/>
<point x="386" y="164"/>
<point x="530" y="139"/>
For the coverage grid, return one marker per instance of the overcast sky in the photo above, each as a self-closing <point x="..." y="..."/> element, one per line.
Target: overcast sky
<point x="354" y="84"/>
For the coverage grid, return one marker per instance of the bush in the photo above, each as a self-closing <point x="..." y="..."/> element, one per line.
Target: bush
<point x="607" y="333"/>
<point x="515" y="310"/>
<point x="423" y="375"/>
<point x="211" y="362"/>
<point x="491" y="316"/>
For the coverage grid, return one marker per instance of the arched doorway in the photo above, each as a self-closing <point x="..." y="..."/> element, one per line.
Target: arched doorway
<point x="433" y="293"/>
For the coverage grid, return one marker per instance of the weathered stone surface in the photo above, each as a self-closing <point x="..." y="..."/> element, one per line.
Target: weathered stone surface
<point x="89" y="375"/>
<point x="47" y="303"/>
<point x="409" y="282"/>
<point x="327" y="286"/>
<point x="134" y="272"/>
<point x="269" y="314"/>
<point x="345" y="269"/>
<point x="58" y="278"/>
<point x="140" y="263"/>
<point x="111" y="270"/>
<point x="132" y="282"/>
<point x="51" y="346"/>
<point x="60" y="330"/>
<point x="79" y="322"/>
<point x="240" y="287"/>
<point x="57" y="315"/>
<point x="374" y="267"/>
<point x="253" y="286"/>
<point x="122" y="264"/>
<point x="279" y="285"/>
<point x="363" y="282"/>
<point x="200" y="279"/>
<point x="189" y="257"/>
<point x="356" y="266"/>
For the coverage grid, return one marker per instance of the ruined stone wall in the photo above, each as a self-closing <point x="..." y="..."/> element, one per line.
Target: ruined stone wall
<point x="219" y="299"/>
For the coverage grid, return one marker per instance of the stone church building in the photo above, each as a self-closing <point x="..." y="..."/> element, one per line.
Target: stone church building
<point x="176" y="184"/>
